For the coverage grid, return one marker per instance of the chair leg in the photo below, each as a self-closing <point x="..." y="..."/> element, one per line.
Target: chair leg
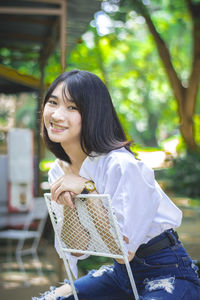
<point x="22" y="269"/>
<point x="132" y="281"/>
<point x="9" y="251"/>
<point x="39" y="268"/>
<point x="70" y="278"/>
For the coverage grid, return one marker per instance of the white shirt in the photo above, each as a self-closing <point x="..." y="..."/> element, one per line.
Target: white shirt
<point x="142" y="209"/>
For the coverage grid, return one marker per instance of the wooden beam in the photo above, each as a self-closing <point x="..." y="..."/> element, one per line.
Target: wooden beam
<point x="63" y="37"/>
<point x="15" y="10"/>
<point x="40" y="149"/>
<point x="24" y="19"/>
<point x="21" y="36"/>
<point x="46" y="1"/>
<point x="15" y="76"/>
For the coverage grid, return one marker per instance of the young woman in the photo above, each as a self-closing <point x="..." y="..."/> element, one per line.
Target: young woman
<point x="81" y="127"/>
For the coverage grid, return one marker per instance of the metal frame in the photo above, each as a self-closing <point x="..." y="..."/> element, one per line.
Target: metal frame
<point x="47" y="197"/>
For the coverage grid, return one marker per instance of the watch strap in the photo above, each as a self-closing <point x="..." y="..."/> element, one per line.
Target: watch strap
<point x="87" y="188"/>
<point x="85" y="191"/>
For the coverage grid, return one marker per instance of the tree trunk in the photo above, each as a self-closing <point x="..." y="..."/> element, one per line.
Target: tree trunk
<point x="186" y="110"/>
<point x="187" y="132"/>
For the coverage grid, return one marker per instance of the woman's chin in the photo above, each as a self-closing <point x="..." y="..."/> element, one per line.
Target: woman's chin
<point x="55" y="139"/>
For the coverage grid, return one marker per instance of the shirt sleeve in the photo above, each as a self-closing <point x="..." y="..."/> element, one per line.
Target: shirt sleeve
<point x="54" y="173"/>
<point x="134" y="196"/>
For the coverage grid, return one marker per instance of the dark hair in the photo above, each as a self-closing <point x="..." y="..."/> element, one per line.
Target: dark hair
<point x="101" y="129"/>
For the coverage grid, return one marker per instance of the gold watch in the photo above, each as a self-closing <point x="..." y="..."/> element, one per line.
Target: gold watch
<point x="89" y="187"/>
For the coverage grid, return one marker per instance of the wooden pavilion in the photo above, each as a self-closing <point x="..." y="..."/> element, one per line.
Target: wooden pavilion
<point x="31" y="30"/>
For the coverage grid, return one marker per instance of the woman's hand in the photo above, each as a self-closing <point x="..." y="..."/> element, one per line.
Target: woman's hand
<point x="66" y="187"/>
<point x="66" y="199"/>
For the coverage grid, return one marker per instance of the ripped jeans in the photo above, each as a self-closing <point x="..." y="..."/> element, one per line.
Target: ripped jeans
<point x="168" y="274"/>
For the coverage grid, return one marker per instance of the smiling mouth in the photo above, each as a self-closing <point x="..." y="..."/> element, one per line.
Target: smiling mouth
<point x="58" y="127"/>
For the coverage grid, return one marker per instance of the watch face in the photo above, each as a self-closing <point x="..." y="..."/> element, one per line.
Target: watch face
<point x="90" y="185"/>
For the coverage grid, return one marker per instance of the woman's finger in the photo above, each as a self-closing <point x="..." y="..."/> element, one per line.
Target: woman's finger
<point x="61" y="199"/>
<point x="61" y="189"/>
<point x="55" y="185"/>
<point x="66" y="199"/>
<point x="56" y="190"/>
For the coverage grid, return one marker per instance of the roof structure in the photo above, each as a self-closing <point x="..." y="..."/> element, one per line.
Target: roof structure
<point x="13" y="82"/>
<point x="31" y="30"/>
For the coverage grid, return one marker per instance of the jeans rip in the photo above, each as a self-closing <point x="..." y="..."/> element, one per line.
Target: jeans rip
<point x="166" y="284"/>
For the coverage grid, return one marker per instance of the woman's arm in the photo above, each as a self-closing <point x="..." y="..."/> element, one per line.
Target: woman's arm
<point x="73" y="234"/>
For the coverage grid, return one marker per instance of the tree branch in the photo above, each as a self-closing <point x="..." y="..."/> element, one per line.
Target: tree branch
<point x="189" y="4"/>
<point x="164" y="54"/>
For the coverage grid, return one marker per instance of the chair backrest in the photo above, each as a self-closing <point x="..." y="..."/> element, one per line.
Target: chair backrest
<point x="90" y="228"/>
<point x="38" y="213"/>
<point x="3" y="183"/>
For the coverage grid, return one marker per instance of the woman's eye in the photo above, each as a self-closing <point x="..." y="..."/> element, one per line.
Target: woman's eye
<point x="72" y="107"/>
<point x="52" y="102"/>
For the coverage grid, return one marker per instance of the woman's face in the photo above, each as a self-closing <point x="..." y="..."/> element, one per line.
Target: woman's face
<point x="62" y="119"/>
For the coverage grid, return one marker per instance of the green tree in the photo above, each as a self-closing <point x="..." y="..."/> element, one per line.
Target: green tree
<point x="179" y="13"/>
<point x="127" y="67"/>
<point x="127" y="61"/>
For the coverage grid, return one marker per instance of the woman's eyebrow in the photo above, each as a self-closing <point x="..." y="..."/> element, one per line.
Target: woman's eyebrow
<point x="57" y="98"/>
<point x="53" y="96"/>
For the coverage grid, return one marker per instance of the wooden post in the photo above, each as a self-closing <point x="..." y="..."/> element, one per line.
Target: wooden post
<point x="40" y="150"/>
<point x="63" y="34"/>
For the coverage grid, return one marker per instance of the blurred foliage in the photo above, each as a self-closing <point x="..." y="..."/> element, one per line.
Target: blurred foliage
<point x="119" y="48"/>
<point x="14" y="58"/>
<point x="125" y="57"/>
<point x="139" y="94"/>
<point x="26" y="113"/>
<point x="93" y="263"/>
<point x="184" y="175"/>
<point x="4" y="115"/>
<point x="173" y="23"/>
<point x="45" y="165"/>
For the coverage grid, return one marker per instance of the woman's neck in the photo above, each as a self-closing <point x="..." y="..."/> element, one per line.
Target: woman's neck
<point x="77" y="156"/>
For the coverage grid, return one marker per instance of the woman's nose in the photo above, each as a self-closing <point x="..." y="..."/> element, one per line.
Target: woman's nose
<point x="59" y="115"/>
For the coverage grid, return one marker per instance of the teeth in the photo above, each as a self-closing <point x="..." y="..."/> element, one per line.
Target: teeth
<point x="56" y="126"/>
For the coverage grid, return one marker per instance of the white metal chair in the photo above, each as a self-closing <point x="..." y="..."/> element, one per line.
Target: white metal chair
<point x="90" y="228"/>
<point x="39" y="214"/>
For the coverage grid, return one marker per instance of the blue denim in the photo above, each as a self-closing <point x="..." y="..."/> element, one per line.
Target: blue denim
<point x="168" y="274"/>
